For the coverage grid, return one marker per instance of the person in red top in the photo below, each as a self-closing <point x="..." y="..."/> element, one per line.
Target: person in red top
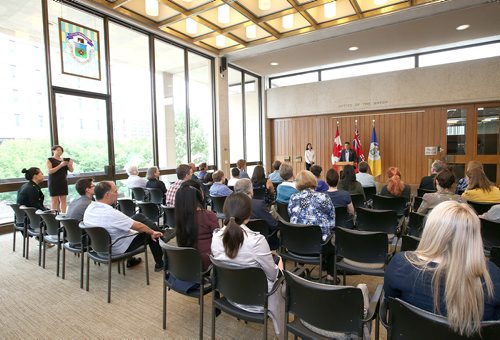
<point x="184" y="172"/>
<point x="195" y="225"/>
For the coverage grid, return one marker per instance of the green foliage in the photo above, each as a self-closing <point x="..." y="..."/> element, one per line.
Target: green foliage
<point x="199" y="140"/>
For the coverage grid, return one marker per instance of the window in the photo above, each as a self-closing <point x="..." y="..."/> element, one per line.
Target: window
<point x="459" y="54"/>
<point x="487" y="130"/>
<point x="252" y="117"/>
<point x="455" y="131"/>
<point x="131" y="78"/>
<point x="369" y="68"/>
<point x="170" y="104"/>
<point x="235" y="115"/>
<point x="298" y="79"/>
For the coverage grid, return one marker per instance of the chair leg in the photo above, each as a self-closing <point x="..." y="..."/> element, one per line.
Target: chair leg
<point x="81" y="268"/>
<point x="146" y="263"/>
<point x="264" y="336"/>
<point x="119" y="266"/>
<point x="58" y="257"/>
<point x="164" y="302"/>
<point x="88" y="268"/>
<point x="41" y="244"/>
<point x="201" y="312"/>
<point x="63" y="263"/>
<point x="27" y="245"/>
<point x="44" y="244"/>
<point x="109" y="280"/>
<point x="14" y="241"/>
<point x="213" y="316"/>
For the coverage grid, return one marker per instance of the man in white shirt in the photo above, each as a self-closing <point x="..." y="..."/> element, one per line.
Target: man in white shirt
<point x="364" y="177"/>
<point x="133" y="180"/>
<point x="102" y="214"/>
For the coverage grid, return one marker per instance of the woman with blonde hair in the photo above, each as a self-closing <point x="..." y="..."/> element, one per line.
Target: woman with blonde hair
<point x="448" y="273"/>
<point x="395" y="187"/>
<point x="480" y="188"/>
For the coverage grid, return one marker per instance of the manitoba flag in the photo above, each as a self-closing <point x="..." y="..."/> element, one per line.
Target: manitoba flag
<point x="337" y="148"/>
<point x="356" y="145"/>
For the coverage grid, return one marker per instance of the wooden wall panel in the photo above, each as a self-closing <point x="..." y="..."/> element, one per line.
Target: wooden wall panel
<point x="402" y="135"/>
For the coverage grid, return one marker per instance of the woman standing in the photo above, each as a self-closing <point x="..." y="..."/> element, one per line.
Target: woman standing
<point x="58" y="168"/>
<point x="30" y="194"/>
<point x="309" y="156"/>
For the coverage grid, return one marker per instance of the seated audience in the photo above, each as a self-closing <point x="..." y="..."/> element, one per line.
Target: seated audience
<point x="275" y="175"/>
<point x="203" y="171"/>
<point x="463" y="183"/>
<point x="219" y="189"/>
<point x="30" y="194"/>
<point x="134" y="180"/>
<point x="153" y="176"/>
<point x="322" y="186"/>
<point x="348" y="182"/>
<point x="395" y="187"/>
<point x="493" y="214"/>
<point x="237" y="245"/>
<point x="340" y="198"/>
<point x="77" y="207"/>
<point x="444" y="181"/>
<point x="208" y="179"/>
<point x="311" y="207"/>
<point x="480" y="188"/>
<point x="235" y="176"/>
<point x="195" y="224"/>
<point x="242" y="166"/>
<point x="428" y="182"/>
<point x="448" y="273"/>
<point x="102" y="214"/>
<point x="193" y="169"/>
<point x="287" y="187"/>
<point x="259" y="181"/>
<point x="184" y="173"/>
<point x="363" y="177"/>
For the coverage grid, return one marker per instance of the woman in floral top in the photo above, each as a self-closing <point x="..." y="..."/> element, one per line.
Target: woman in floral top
<point x="311" y="207"/>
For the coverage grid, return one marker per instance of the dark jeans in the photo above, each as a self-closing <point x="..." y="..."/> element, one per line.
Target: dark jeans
<point x="138" y="241"/>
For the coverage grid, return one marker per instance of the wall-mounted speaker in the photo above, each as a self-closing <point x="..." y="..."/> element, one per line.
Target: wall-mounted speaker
<point x="223" y="64"/>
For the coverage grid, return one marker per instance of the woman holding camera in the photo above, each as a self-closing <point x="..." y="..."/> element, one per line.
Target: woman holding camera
<point x="58" y="168"/>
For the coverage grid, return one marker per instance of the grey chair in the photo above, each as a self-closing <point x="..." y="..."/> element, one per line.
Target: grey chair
<point x="282" y="209"/>
<point x="151" y="211"/>
<point x="73" y="241"/>
<point x="246" y="286"/>
<point x="34" y="228"/>
<point x="156" y="196"/>
<point x="100" y="250"/>
<point x="184" y="264"/>
<point x="217" y="205"/>
<point x="330" y="308"/>
<point x="51" y="234"/>
<point x="169" y="214"/>
<point x="490" y="233"/>
<point x="139" y="194"/>
<point x="19" y="225"/>
<point x="127" y="206"/>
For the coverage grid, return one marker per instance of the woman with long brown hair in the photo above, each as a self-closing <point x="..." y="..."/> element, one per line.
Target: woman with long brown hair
<point x="448" y="273"/>
<point x="480" y="188"/>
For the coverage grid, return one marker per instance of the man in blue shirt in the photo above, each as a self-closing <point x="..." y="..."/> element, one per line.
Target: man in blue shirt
<point x="219" y="189"/>
<point x="275" y="176"/>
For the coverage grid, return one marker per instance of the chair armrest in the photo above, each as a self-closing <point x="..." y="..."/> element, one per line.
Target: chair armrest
<point x="209" y="269"/>
<point x="328" y="239"/>
<point x="374" y="303"/>
<point x="122" y="237"/>
<point x="276" y="285"/>
<point x="383" y="313"/>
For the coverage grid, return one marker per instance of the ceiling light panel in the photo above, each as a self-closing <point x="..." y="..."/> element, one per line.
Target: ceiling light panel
<point x="241" y="33"/>
<point x="181" y="27"/>
<point x="344" y="9"/>
<point x="253" y="7"/>
<point x="368" y="5"/>
<point x="213" y="17"/>
<point x="139" y="7"/>
<point x="228" y="42"/>
<point x="298" y="22"/>
<point x="190" y="4"/>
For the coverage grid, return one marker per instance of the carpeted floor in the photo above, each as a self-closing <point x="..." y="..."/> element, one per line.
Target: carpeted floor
<point x="35" y="303"/>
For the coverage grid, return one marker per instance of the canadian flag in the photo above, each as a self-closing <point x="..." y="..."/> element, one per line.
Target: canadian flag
<point x="337" y="148"/>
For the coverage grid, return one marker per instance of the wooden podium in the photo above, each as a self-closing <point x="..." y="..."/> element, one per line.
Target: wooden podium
<point x="341" y="165"/>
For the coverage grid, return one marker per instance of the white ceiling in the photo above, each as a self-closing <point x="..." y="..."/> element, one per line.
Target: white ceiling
<point x="415" y="29"/>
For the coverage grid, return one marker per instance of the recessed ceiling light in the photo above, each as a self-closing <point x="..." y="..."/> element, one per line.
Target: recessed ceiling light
<point x="274" y="63"/>
<point x="152" y="8"/>
<point x="380" y="2"/>
<point x="251" y="31"/>
<point x="287" y="21"/>
<point x="220" y="40"/>
<point x="353" y="48"/>
<point x="462" y="27"/>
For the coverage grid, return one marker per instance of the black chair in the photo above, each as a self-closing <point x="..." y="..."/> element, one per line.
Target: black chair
<point x="369" y="192"/>
<point x="206" y="193"/>
<point x="398" y="204"/>
<point x="127" y="206"/>
<point x="416" y="223"/>
<point x="259" y="226"/>
<point x="34" y="228"/>
<point x="385" y="221"/>
<point x="330" y="308"/>
<point x="246" y="286"/>
<point x="409" y="243"/>
<point x="343" y="218"/>
<point x="481" y="207"/>
<point x="282" y="209"/>
<point x="139" y="194"/>
<point x="151" y="211"/>
<point x="100" y="251"/>
<point x="156" y="196"/>
<point x="169" y="214"/>
<point x="302" y="244"/>
<point x="362" y="252"/>
<point x="422" y="192"/>
<point x="184" y="264"/>
<point x="19" y="225"/>
<point x="357" y="200"/>
<point x="73" y="241"/>
<point x="417" y="201"/>
<point x="495" y="256"/>
<point x="51" y="235"/>
<point x="217" y="205"/>
<point x="490" y="232"/>
<point x="404" y="321"/>
<point x="259" y="193"/>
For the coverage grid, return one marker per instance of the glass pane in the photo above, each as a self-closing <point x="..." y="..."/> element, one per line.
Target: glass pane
<point x="132" y="123"/>
<point x="200" y="109"/>
<point x="235" y="116"/>
<point x="455" y="131"/>
<point x="487" y="130"/>
<point x="369" y="68"/>
<point x="24" y="113"/>
<point x="82" y="128"/>
<point x="460" y="54"/>
<point x="304" y="78"/>
<point x="89" y="42"/>
<point x="491" y="172"/>
<point x="252" y="127"/>
<point x="458" y="170"/>
<point x="171" y="104"/>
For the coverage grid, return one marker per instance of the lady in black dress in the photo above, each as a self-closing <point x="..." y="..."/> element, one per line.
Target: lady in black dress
<point x="30" y="194"/>
<point x="58" y="168"/>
